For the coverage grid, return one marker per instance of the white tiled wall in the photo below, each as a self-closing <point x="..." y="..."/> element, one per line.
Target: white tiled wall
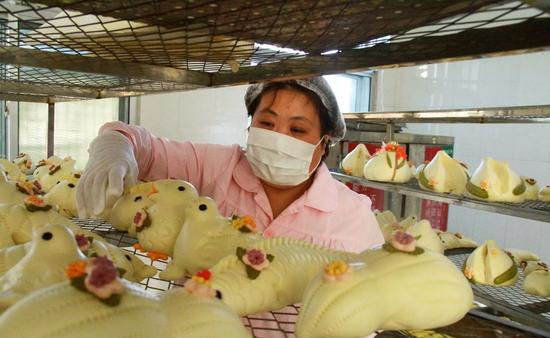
<point x="504" y="81"/>
<point x="216" y="115"/>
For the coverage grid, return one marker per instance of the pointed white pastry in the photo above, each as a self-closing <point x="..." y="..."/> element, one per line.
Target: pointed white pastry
<point x="490" y="265"/>
<point x="544" y="194"/>
<point x="495" y="181"/>
<point x="385" y="217"/>
<point x="443" y="174"/>
<point x="388" y="165"/>
<point x="538" y="283"/>
<point x="388" y="223"/>
<point x="532" y="188"/>
<point x="53" y="247"/>
<point x="419" y="169"/>
<point x="354" y="162"/>
<point x="205" y="238"/>
<point x="390" y="291"/>
<point x="270" y="274"/>
<point x="426" y="236"/>
<point x="455" y="240"/>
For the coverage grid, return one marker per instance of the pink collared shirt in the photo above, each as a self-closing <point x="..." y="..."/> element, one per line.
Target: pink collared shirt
<point x="328" y="214"/>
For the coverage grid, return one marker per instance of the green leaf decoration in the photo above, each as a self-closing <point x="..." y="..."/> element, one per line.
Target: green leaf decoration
<point x="401" y="164"/>
<point x="423" y="180"/>
<point x="418" y="237"/>
<point x="476" y="191"/>
<point x="388" y="160"/>
<point x="244" y="229"/>
<point x="507" y="275"/>
<point x="78" y="283"/>
<point x="389" y="248"/>
<point x="520" y="189"/>
<point x="270" y="257"/>
<point x="121" y="271"/>
<point x="251" y="272"/>
<point x="240" y="253"/>
<point x="94" y="255"/>
<point x="114" y="300"/>
<point x="90" y="239"/>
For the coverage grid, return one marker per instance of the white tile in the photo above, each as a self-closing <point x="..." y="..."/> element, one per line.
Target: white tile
<point x="523" y="234"/>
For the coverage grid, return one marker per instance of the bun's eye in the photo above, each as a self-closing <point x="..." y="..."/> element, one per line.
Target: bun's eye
<point x="71" y="185"/>
<point x="128" y="257"/>
<point x="138" y="198"/>
<point x="203" y="207"/>
<point x="47" y="236"/>
<point x="181" y="188"/>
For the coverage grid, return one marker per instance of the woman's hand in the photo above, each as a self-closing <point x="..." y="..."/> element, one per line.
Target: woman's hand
<point x="111" y="167"/>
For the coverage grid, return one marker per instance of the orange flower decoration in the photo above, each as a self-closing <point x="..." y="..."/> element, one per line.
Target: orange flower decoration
<point x="34" y="200"/>
<point x="484" y="185"/>
<point x="76" y="269"/>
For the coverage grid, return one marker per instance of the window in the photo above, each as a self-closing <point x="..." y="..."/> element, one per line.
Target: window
<point x="76" y="124"/>
<point x="3" y="130"/>
<point x="352" y="91"/>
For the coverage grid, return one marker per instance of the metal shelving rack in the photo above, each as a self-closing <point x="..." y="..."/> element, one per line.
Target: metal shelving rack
<point x="523" y="308"/>
<point x="535" y="210"/>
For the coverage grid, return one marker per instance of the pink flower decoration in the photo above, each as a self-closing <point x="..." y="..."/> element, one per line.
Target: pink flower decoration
<point x="199" y="289"/>
<point x="83" y="243"/>
<point x="256" y="259"/>
<point x="403" y="241"/>
<point x="102" y="279"/>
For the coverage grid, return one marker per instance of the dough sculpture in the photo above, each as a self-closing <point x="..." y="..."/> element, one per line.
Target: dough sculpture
<point x="388" y="228"/>
<point x="270" y="274"/>
<point x="490" y="265"/>
<point x="57" y="173"/>
<point x="114" y="308"/>
<point x="63" y="196"/>
<point x="12" y="171"/>
<point x="520" y="256"/>
<point x="354" y="162"/>
<point x="389" y="164"/>
<point x="126" y="208"/>
<point x="24" y="162"/>
<point x="206" y="237"/>
<point x="443" y="174"/>
<point x="544" y="194"/>
<point x="455" y="240"/>
<point x="9" y="192"/>
<point x="19" y="221"/>
<point x="52" y="248"/>
<point x="537" y="283"/>
<point x="158" y="225"/>
<point x="43" y="166"/>
<point x="532" y="188"/>
<point x="530" y="266"/>
<point x="426" y="236"/>
<point x="398" y="287"/>
<point x="495" y="181"/>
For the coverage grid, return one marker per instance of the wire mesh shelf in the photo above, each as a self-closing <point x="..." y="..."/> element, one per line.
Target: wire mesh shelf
<point x="135" y="47"/>
<point x="535" y="210"/>
<point x="273" y="324"/>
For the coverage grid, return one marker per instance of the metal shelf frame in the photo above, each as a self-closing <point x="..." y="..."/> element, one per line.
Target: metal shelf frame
<point x="534" y="210"/>
<point x="520" y="114"/>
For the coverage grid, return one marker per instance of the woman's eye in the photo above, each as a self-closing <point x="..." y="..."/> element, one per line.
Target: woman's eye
<point x="266" y="123"/>
<point x="297" y="130"/>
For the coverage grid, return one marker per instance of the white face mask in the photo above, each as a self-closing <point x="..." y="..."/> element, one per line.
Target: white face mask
<point x="278" y="158"/>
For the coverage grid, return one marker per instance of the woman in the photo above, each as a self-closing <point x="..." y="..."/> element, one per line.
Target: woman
<point x="280" y="179"/>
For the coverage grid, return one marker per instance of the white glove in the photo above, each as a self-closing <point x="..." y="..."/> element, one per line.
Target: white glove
<point x="111" y="167"/>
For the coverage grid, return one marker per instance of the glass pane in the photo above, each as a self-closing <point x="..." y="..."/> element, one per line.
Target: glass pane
<point x="77" y="124"/>
<point x="344" y="88"/>
<point x="33" y="129"/>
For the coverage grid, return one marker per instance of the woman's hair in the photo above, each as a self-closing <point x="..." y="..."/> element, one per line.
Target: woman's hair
<point x="326" y="124"/>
